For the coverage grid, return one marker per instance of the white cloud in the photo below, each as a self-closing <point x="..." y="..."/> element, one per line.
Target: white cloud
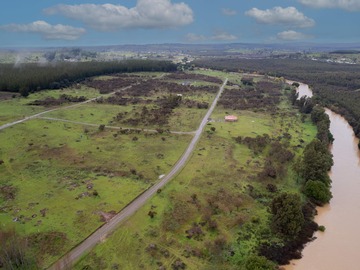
<point x="146" y="14"/>
<point x="223" y="36"/>
<point x="217" y="36"/>
<point x="228" y="12"/>
<point x="291" y="35"/>
<point x="48" y="31"/>
<point x="289" y="16"/>
<point x="350" y="5"/>
<point x="191" y="37"/>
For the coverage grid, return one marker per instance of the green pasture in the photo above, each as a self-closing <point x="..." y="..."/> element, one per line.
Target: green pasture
<point x="218" y="164"/>
<point x="18" y="108"/>
<point x="77" y="172"/>
<point x="52" y="165"/>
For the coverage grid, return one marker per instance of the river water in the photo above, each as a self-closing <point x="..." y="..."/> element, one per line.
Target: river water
<point x="338" y="248"/>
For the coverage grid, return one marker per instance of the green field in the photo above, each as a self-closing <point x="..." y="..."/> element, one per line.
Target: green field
<point x="18" y="108"/>
<point x="61" y="177"/>
<point x="219" y="193"/>
<point x="64" y="173"/>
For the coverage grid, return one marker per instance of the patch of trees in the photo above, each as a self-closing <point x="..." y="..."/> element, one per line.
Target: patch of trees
<point x="287" y="217"/>
<point x="264" y="94"/>
<point x="317" y="160"/>
<point x="14" y="251"/>
<point x="50" y="243"/>
<point x="111" y="85"/>
<point x="32" y="77"/>
<point x="145" y="88"/>
<point x="256" y="144"/>
<point x="193" y="77"/>
<point x="334" y="85"/>
<point x="156" y="115"/>
<point x="195" y="104"/>
<point x="293" y="222"/>
<point x="258" y="263"/>
<point x="313" y="168"/>
<point x="322" y="122"/>
<point x="276" y="158"/>
<point x="51" y="101"/>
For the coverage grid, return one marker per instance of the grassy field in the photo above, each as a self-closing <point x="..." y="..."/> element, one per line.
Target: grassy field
<point x="61" y="180"/>
<point x="58" y="167"/>
<point x="18" y="108"/>
<point x="214" y="213"/>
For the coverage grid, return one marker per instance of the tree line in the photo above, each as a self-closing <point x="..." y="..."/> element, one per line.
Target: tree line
<point x="28" y="78"/>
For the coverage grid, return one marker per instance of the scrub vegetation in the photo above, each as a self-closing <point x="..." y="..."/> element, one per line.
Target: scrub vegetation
<point x="245" y="200"/>
<point x="335" y="86"/>
<point x="230" y="207"/>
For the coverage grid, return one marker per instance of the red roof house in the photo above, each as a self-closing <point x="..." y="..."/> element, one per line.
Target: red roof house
<point x="231" y="118"/>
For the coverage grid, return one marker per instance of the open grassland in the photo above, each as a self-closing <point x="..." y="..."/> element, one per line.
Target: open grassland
<point x="214" y="214"/>
<point x="61" y="180"/>
<point x="62" y="177"/>
<point x="17" y="108"/>
<point x="181" y="119"/>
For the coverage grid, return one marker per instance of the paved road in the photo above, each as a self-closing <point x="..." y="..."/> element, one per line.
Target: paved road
<point x="100" y="234"/>
<point x="55" y="109"/>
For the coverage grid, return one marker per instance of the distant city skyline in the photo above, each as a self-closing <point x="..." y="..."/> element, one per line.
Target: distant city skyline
<point x="46" y="23"/>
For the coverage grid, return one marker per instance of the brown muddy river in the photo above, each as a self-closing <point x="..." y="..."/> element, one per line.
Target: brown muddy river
<point x="338" y="248"/>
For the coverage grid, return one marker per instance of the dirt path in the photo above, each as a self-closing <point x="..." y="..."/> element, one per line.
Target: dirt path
<point x="113" y="127"/>
<point x="55" y="109"/>
<point x="70" y="258"/>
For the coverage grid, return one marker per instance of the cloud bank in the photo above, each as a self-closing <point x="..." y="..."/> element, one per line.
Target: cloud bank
<point x="289" y="16"/>
<point x="48" y="31"/>
<point x="291" y="35"/>
<point x="146" y="14"/>
<point x="217" y="36"/>
<point x="350" y="5"/>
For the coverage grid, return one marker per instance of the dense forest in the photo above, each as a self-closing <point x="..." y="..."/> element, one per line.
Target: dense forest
<point x="29" y="78"/>
<point x="336" y="86"/>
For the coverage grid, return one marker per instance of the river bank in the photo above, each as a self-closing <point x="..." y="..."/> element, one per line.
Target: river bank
<point x="338" y="247"/>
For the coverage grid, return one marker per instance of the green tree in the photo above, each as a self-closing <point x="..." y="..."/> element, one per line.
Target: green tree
<point x="317" y="192"/>
<point x="14" y="251"/>
<point x="102" y="127"/>
<point x="287" y="216"/>
<point x="255" y="262"/>
<point x="316" y="162"/>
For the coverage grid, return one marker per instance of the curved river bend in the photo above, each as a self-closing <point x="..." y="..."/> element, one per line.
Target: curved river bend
<point x="338" y="247"/>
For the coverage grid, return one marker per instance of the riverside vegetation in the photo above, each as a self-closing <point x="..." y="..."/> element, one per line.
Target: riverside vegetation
<point x="228" y="208"/>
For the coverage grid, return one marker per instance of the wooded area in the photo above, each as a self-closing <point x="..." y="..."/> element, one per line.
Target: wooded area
<point x="28" y="78"/>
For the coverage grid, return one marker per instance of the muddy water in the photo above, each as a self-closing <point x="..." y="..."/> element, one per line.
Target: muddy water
<point x="338" y="247"/>
<point x="304" y="90"/>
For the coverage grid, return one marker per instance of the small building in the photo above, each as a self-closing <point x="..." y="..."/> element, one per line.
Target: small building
<point x="231" y="118"/>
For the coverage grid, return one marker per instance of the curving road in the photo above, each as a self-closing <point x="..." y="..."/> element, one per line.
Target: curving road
<point x="67" y="261"/>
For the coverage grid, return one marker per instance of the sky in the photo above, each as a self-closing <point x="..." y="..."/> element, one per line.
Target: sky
<point x="48" y="23"/>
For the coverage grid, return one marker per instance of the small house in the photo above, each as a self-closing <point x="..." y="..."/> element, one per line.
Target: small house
<point x="231" y="118"/>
